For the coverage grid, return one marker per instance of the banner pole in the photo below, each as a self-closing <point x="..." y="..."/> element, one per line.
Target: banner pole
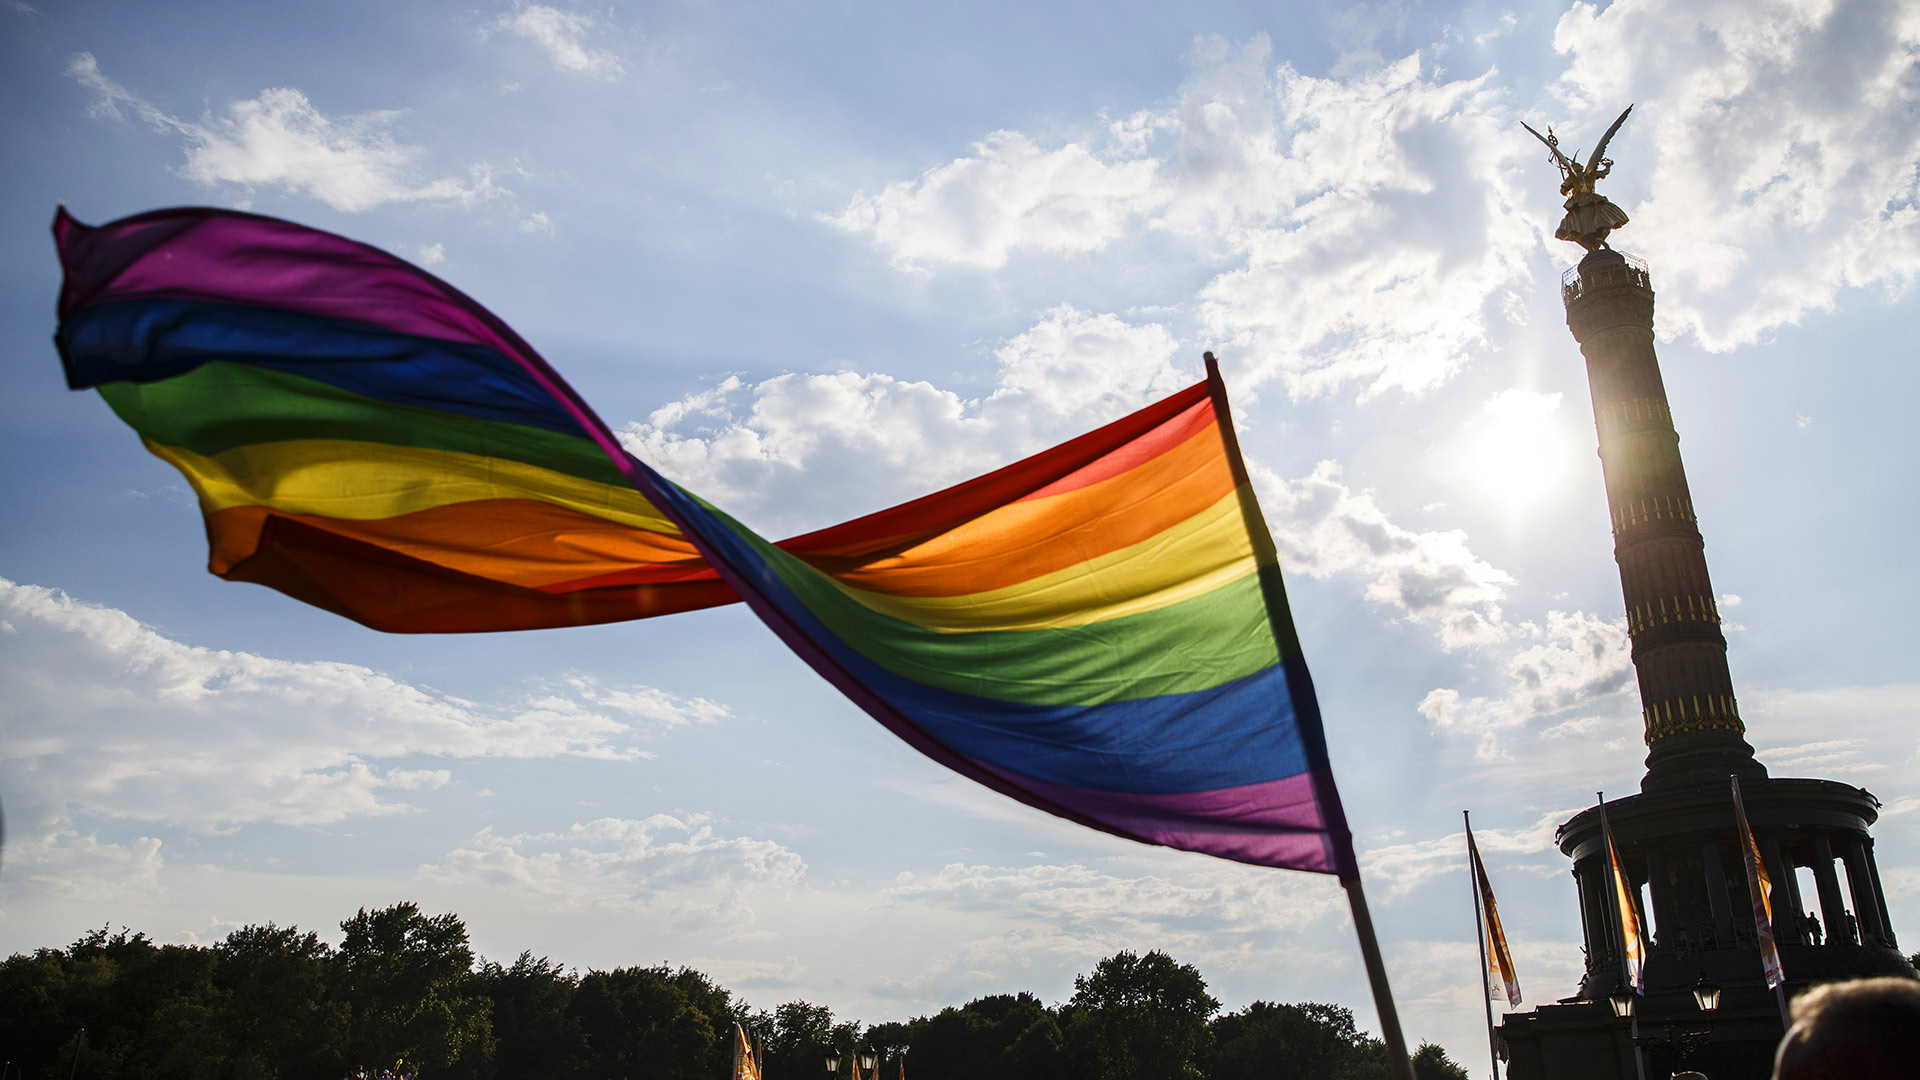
<point x="1397" y="1059"/>
<point x="1480" y="935"/>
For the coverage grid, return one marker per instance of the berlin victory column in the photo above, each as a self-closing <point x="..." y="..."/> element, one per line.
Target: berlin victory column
<point x="1678" y="838"/>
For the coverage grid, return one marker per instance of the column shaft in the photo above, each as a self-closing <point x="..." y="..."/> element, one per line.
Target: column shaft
<point x="1787" y="911"/>
<point x="1832" y="907"/>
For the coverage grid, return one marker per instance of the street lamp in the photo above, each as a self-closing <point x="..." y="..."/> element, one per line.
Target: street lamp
<point x="833" y="1061"/>
<point x="867" y="1061"/>
<point x="1706" y="994"/>
<point x="1622" y="1000"/>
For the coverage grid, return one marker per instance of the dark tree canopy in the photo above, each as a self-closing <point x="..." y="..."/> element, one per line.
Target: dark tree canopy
<point x="279" y="1003"/>
<point x="1140" y="1018"/>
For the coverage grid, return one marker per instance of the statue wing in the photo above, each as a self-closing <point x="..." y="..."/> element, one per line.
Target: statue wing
<point x="1601" y="150"/>
<point x="1548" y="143"/>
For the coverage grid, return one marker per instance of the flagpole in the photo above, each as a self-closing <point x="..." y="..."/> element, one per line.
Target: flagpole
<point x="1620" y="932"/>
<point x="1397" y="1058"/>
<point x="1480" y="935"/>
<point x="1262" y="537"/>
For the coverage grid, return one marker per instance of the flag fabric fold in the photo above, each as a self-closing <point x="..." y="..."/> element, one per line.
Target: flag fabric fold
<point x="1760" y="890"/>
<point x="1626" y="902"/>
<point x="1099" y="631"/>
<point x="1503" y="982"/>
<point x="745" y="1065"/>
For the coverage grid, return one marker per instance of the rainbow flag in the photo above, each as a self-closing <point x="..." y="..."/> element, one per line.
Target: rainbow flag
<point x="361" y="436"/>
<point x="1099" y="631"/>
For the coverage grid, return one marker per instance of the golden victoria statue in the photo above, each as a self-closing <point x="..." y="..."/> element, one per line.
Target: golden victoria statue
<point x="1590" y="217"/>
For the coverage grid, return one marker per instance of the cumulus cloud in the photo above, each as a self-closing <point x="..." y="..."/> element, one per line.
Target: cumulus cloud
<point x="211" y="738"/>
<point x="66" y="864"/>
<point x="1047" y="916"/>
<point x="674" y="868"/>
<point x="280" y="140"/>
<point x="1370" y="216"/>
<point x="1780" y="145"/>
<point x="1368" y="221"/>
<point x="563" y="36"/>
<point x="1576" y="661"/>
<point x="1399" y="868"/>
<point x="1393" y="225"/>
<point x="1009" y="195"/>
<point x="1324" y="527"/>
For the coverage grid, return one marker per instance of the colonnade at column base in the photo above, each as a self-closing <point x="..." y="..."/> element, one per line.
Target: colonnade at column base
<point x="1681" y="848"/>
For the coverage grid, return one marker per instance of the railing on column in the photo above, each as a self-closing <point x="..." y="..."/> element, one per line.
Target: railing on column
<point x="1572" y="285"/>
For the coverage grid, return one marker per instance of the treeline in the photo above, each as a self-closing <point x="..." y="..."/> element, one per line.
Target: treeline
<point x="404" y="991"/>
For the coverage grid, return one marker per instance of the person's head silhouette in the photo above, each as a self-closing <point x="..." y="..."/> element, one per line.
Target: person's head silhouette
<point x="1867" y="1029"/>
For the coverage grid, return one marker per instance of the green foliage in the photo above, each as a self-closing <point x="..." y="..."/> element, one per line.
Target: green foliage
<point x="408" y="979"/>
<point x="1309" y="1041"/>
<point x="1007" y="1036"/>
<point x="1431" y="1062"/>
<point x="277" y="1003"/>
<point x="797" y="1037"/>
<point x="1139" y="1018"/>
<point x="654" y="1022"/>
<point x="281" y="1015"/>
<point x="534" y="1029"/>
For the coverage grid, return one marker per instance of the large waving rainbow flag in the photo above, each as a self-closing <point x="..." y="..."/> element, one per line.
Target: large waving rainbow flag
<point x="1099" y="631"/>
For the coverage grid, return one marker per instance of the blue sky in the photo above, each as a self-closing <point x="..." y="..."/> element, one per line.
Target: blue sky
<point x="815" y="259"/>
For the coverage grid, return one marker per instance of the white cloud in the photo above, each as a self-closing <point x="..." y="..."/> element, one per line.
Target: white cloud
<point x="65" y="864"/>
<point x="672" y="868"/>
<point x="563" y="35"/>
<point x="1010" y="195"/>
<point x="537" y="222"/>
<point x="1576" y="661"/>
<point x="1371" y="216"/>
<point x="1501" y="28"/>
<point x="1399" y="868"/>
<point x="1395" y="223"/>
<point x="1323" y="527"/>
<point x="212" y="739"/>
<point x="431" y="254"/>
<point x="280" y="140"/>
<point x="1778" y="140"/>
<point x="1024" y="920"/>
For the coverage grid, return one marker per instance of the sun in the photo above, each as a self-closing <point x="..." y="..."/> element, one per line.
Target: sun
<point x="1516" y="450"/>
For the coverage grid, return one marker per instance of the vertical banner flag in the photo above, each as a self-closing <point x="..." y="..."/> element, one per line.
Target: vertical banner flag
<point x="1099" y="631"/>
<point x="1760" y="888"/>
<point x="745" y="1067"/>
<point x="1633" y="937"/>
<point x="1502" y="980"/>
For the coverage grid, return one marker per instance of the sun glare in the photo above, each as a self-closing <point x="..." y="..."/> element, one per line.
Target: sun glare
<point x="1516" y="450"/>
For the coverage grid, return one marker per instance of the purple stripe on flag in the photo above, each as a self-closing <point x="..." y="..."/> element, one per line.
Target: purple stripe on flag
<point x="228" y="257"/>
<point x="1274" y="823"/>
